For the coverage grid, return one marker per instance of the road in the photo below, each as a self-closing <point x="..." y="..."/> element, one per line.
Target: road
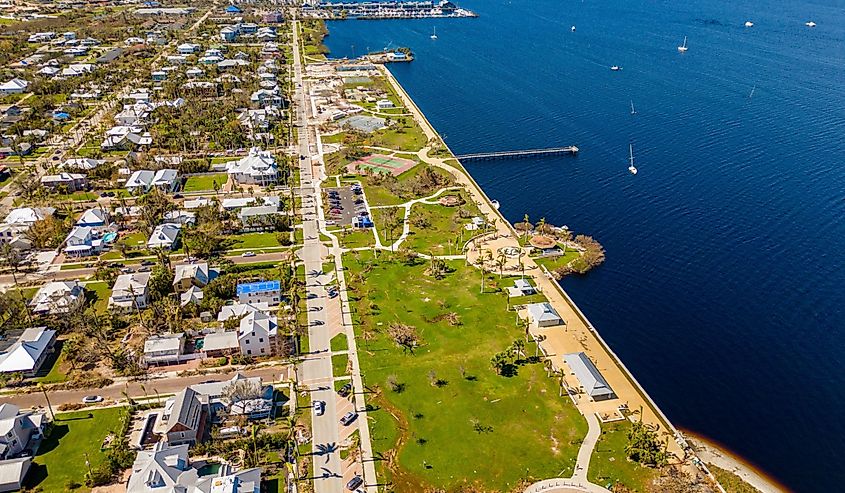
<point x="115" y="392"/>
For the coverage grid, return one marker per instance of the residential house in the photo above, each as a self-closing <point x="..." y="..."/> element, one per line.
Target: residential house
<point x="58" y="297"/>
<point x="186" y="415"/>
<point x="159" y="75"/>
<point x="384" y="104"/>
<point x="256" y="168"/>
<point x="130" y="292"/>
<point x="164" y="236"/>
<point x="123" y="137"/>
<point x="188" y="275"/>
<point x="221" y="343"/>
<point x="84" y="164"/>
<point x="167" y="469"/>
<point x="143" y="180"/>
<point x="196" y="203"/>
<point x="133" y="114"/>
<point x="268" y="97"/>
<point x="93" y="218"/>
<point x="192" y="296"/>
<point x="240" y="310"/>
<point x="13" y="229"/>
<point x="194" y="72"/>
<point x="82" y="241"/>
<point x="255" y="400"/>
<point x="543" y="315"/>
<point x="240" y="202"/>
<point x="183" y="218"/>
<point x="257" y="334"/>
<point x="229" y="34"/>
<point x="164" y="349"/>
<point x="14" y="86"/>
<point x="18" y="429"/>
<point x="65" y="182"/>
<point x="188" y="48"/>
<point x="521" y="287"/>
<point x="258" y="218"/>
<point x="269" y="292"/>
<point x="28" y="351"/>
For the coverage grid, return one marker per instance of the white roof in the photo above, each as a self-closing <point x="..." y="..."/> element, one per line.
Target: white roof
<point x="142" y="178"/>
<point x="164" y="235"/>
<point x="196" y="203"/>
<point x="92" y="216"/>
<point x="83" y="163"/>
<point x="163" y="342"/>
<point x="192" y="295"/>
<point x="15" y="84"/>
<point x="161" y="466"/>
<point x="238" y="310"/>
<point x="237" y="203"/>
<point x="257" y="163"/>
<point x="191" y="271"/>
<point x="541" y="312"/>
<point x="22" y="355"/>
<point x="259" y="322"/>
<point x="220" y="340"/>
<point x="57" y="297"/>
<point x="13" y="471"/>
<point x="28" y="215"/>
<point x="125" y="283"/>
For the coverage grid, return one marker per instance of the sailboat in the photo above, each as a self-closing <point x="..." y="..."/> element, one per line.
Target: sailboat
<point x="683" y="47"/>
<point x="434" y="33"/>
<point x="752" y="91"/>
<point x="631" y="167"/>
<point x="633" y="111"/>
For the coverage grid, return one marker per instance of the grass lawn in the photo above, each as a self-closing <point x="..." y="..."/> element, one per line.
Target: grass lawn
<point x="254" y="240"/>
<point x="339" y="343"/>
<point x="54" y="362"/>
<point x="61" y="456"/>
<point x="470" y="413"/>
<point x="98" y="294"/>
<point x="202" y="183"/>
<point x="135" y="240"/>
<point x="609" y="464"/>
<point x="435" y="228"/>
<point x="339" y="362"/>
<point x="407" y="137"/>
<point x="553" y="263"/>
<point x="334" y="138"/>
<point x="730" y="481"/>
<point x="357" y="238"/>
<point x="378" y="194"/>
<point x="388" y="231"/>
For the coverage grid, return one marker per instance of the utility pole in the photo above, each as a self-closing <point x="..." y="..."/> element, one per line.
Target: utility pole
<point x="49" y="407"/>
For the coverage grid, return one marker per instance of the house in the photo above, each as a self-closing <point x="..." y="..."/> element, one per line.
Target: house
<point x="229" y="34"/>
<point x="188" y="48"/>
<point x="164" y="349"/>
<point x="520" y="287"/>
<point x="21" y="149"/>
<point x="384" y="104"/>
<point x="143" y="180"/>
<point x="186" y="416"/>
<point x="58" y="297"/>
<point x="233" y="9"/>
<point x="167" y="469"/>
<point x="14" y="86"/>
<point x="183" y="218"/>
<point x="543" y="315"/>
<point x="13" y="229"/>
<point x="13" y="472"/>
<point x="158" y="75"/>
<point x="189" y="275"/>
<point x="240" y="202"/>
<point x="589" y="377"/>
<point x="17" y="430"/>
<point x="194" y="72"/>
<point x="81" y="242"/>
<point x="252" y="398"/>
<point x="28" y="351"/>
<point x="272" y="18"/>
<point x="239" y="310"/>
<point x="192" y="295"/>
<point x="132" y="114"/>
<point x="129" y="292"/>
<point x="123" y="137"/>
<point x="222" y="343"/>
<point x="257" y="334"/>
<point x="65" y="182"/>
<point x="28" y="215"/>
<point x="93" y="218"/>
<point x="256" y="168"/>
<point x="164" y="236"/>
<point x="271" y="97"/>
<point x="84" y="164"/>
<point x="269" y="292"/>
<point x="195" y="203"/>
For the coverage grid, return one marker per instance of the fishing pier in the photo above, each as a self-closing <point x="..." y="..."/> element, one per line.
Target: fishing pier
<point x="549" y="151"/>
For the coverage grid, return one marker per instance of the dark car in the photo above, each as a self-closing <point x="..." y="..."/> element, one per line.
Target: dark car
<point x="148" y="262"/>
<point x="177" y="196"/>
<point x="354" y="483"/>
<point x="348" y="418"/>
<point x="345" y="390"/>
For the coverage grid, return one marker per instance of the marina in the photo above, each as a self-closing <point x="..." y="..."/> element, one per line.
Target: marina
<point x="384" y="10"/>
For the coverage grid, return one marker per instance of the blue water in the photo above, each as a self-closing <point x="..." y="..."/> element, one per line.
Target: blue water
<point x="723" y="287"/>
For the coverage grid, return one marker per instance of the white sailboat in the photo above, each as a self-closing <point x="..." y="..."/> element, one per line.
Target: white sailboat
<point x="810" y="24"/>
<point x="572" y="29"/>
<point x="434" y="33"/>
<point x="749" y="24"/>
<point x="615" y="68"/>
<point x="683" y="47"/>
<point x="633" y="111"/>
<point x="752" y="91"/>
<point x="631" y="168"/>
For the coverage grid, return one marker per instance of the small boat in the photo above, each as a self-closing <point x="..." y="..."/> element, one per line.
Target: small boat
<point x="633" y="111"/>
<point x="810" y="24"/>
<point x="572" y="29"/>
<point x="683" y="48"/>
<point x="749" y="24"/>
<point x="434" y="34"/>
<point x="752" y="91"/>
<point x="495" y="204"/>
<point x="631" y="168"/>
<point x="615" y="68"/>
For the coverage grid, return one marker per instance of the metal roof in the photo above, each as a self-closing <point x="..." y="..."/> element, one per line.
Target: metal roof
<point x="588" y="375"/>
<point x="258" y="287"/>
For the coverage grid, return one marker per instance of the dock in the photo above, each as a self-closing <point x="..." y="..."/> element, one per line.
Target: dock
<point x="549" y="151"/>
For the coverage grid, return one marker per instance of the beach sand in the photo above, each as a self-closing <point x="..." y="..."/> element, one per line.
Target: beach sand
<point x="711" y="453"/>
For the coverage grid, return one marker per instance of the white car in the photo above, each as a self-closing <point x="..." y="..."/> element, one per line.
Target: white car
<point x="92" y="399"/>
<point x="319" y="407"/>
<point x="248" y="254"/>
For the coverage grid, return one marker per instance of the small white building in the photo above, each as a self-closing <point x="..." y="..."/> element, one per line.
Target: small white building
<point x="164" y="349"/>
<point x="58" y="297"/>
<point x="28" y="352"/>
<point x="129" y="291"/>
<point x="269" y="292"/>
<point x="384" y="104"/>
<point x="543" y="315"/>
<point x="257" y="334"/>
<point x="14" y="86"/>
<point x="239" y="310"/>
<point x="164" y="236"/>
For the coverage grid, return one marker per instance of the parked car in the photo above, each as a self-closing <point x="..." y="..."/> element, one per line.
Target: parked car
<point x="319" y="407"/>
<point x="148" y="262"/>
<point x="248" y="254"/>
<point x="354" y="483"/>
<point x="145" y="268"/>
<point x="92" y="399"/>
<point x="177" y="196"/>
<point x="345" y="390"/>
<point x="332" y="293"/>
<point x="348" y="418"/>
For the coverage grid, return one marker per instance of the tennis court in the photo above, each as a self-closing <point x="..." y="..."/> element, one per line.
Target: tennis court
<point x="379" y="163"/>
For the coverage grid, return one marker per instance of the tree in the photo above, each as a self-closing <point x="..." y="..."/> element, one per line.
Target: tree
<point x="13" y="258"/>
<point x="242" y="390"/>
<point x="404" y="335"/>
<point x="644" y="446"/>
<point x="501" y="260"/>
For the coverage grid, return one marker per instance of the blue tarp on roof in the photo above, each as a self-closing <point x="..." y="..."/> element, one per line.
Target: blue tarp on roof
<point x="258" y="287"/>
<point x="233" y="9"/>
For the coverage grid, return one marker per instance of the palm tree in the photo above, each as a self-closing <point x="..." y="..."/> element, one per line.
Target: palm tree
<point x="501" y="260"/>
<point x="541" y="225"/>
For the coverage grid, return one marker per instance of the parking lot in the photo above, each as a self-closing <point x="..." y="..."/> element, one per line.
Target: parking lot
<point x="344" y="204"/>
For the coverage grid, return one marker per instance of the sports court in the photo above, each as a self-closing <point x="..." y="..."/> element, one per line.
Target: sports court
<point x="379" y="163"/>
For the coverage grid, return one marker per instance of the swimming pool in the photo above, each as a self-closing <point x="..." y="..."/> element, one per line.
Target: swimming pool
<point x="109" y="237"/>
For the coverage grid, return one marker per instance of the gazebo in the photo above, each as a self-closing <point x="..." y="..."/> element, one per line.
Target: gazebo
<point x="542" y="242"/>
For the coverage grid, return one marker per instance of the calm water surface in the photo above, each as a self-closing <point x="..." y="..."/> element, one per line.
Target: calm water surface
<point x="724" y="285"/>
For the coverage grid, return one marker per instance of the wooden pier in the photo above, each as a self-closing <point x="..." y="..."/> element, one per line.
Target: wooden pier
<point x="550" y="151"/>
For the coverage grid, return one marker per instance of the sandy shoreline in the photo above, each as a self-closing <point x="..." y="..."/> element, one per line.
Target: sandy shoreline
<point x="711" y="453"/>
